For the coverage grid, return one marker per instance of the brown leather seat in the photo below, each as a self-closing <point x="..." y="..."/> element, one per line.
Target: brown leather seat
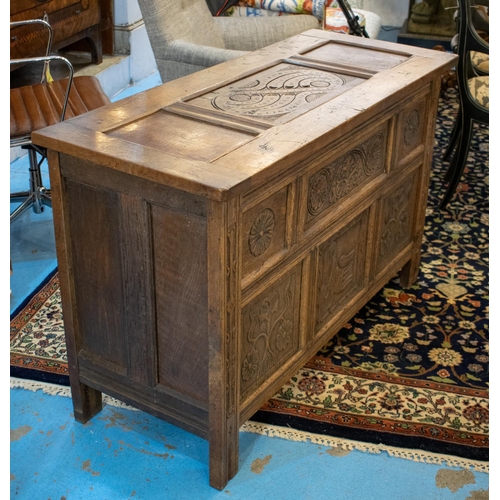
<point x="33" y="107"/>
<point x="38" y="105"/>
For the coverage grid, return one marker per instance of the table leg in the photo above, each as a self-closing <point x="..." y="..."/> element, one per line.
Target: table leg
<point x="409" y="273"/>
<point x="87" y="401"/>
<point x="223" y="455"/>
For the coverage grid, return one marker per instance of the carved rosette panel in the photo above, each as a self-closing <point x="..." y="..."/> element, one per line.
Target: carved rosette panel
<point x="261" y="232"/>
<point x="278" y="93"/>
<point x="264" y="231"/>
<point x="396" y="220"/>
<point x="338" y="179"/>
<point x="341" y="269"/>
<point x="270" y="330"/>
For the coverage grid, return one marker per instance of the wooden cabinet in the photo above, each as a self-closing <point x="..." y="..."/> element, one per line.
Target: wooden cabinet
<point x="71" y="20"/>
<point x="213" y="233"/>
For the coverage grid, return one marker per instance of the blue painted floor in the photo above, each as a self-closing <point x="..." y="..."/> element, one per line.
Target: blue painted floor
<point x="127" y="454"/>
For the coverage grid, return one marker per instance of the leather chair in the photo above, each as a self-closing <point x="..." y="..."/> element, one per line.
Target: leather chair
<point x="473" y="92"/>
<point x="186" y="38"/>
<point x="41" y="104"/>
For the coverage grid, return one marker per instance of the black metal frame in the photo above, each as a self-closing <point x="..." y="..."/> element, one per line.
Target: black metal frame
<point x="352" y="19"/>
<point x="470" y="111"/>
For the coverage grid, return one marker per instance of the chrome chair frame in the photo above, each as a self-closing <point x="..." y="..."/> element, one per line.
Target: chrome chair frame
<point x="38" y="196"/>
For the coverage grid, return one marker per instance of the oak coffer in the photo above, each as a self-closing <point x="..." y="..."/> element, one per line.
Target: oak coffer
<point x="213" y="233"/>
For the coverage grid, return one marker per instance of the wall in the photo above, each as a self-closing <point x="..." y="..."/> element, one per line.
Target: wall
<point x="131" y="36"/>
<point x="392" y="12"/>
<point x="131" y="39"/>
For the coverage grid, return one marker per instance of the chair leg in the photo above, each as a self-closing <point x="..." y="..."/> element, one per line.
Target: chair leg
<point x="454" y="138"/>
<point x="38" y="197"/>
<point x="458" y="162"/>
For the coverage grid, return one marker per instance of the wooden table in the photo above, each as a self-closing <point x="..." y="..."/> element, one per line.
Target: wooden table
<point x="215" y="232"/>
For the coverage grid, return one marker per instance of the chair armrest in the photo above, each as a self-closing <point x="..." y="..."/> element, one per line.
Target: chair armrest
<point x="253" y="33"/>
<point x="198" y="55"/>
<point x="46" y="60"/>
<point x="16" y="24"/>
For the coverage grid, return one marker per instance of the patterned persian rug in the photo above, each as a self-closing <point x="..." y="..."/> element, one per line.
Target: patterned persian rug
<point x="409" y="371"/>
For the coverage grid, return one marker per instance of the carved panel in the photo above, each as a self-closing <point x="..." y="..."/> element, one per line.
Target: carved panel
<point x="412" y="127"/>
<point x="264" y="232"/>
<point x="231" y="319"/>
<point x="270" y="330"/>
<point x="277" y="94"/>
<point x="396" y="221"/>
<point x="341" y="177"/>
<point x="341" y="269"/>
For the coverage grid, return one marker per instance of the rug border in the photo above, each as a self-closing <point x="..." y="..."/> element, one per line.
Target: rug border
<point x="27" y="300"/>
<point x="415" y="455"/>
<point x="425" y="444"/>
<point x="33" y="373"/>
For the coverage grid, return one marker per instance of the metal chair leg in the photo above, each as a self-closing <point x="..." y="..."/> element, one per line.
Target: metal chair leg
<point x="38" y="197"/>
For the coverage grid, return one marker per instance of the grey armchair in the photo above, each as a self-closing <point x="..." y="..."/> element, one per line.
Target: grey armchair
<point x="186" y="38"/>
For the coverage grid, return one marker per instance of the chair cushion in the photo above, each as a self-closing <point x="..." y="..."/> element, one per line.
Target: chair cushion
<point x="334" y="20"/>
<point x="479" y="88"/>
<point x="33" y="107"/>
<point x="188" y="20"/>
<point x="480" y="61"/>
<point x="265" y="8"/>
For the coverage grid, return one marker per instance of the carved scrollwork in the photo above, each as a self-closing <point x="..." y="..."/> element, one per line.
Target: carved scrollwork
<point x="318" y="192"/>
<point x="339" y="178"/>
<point x="261" y="232"/>
<point x="270" y="330"/>
<point x="348" y="174"/>
<point x="341" y="266"/>
<point x="277" y="93"/>
<point x="373" y="149"/>
<point x="396" y="228"/>
<point x="411" y="128"/>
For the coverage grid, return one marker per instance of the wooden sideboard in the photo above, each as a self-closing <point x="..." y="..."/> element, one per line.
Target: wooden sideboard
<point x="72" y="21"/>
<point x="215" y="232"/>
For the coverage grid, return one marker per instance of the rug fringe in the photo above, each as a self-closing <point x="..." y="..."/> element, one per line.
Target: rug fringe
<point x="347" y="444"/>
<point x="283" y="433"/>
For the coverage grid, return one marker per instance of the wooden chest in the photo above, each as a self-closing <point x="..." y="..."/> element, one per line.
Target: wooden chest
<point x="215" y="232"/>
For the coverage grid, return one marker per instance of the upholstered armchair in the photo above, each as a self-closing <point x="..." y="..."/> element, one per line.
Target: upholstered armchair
<point x="262" y="8"/>
<point x="186" y="38"/>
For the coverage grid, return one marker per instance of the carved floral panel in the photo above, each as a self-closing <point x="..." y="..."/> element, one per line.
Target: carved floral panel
<point x="264" y="232"/>
<point x="341" y="268"/>
<point x="270" y="330"/>
<point x="341" y="177"/>
<point x="396" y="221"/>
